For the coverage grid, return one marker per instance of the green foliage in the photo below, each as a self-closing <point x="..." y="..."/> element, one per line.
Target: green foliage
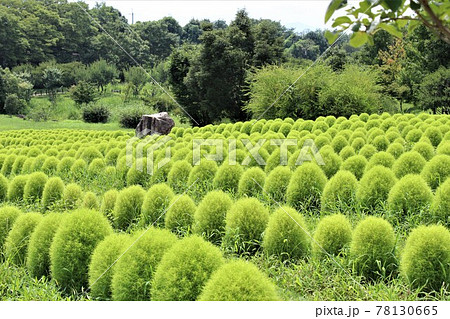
<point x="16" y="188"/>
<point x="96" y="114"/>
<point x="102" y="73"/>
<point x="425" y="149"/>
<point x="227" y="177"/>
<point x="355" y="164"/>
<point x="381" y="158"/>
<point x="252" y="182"/>
<point x="374" y="187"/>
<point x="16" y="244"/>
<point x="203" y="174"/>
<point x="73" y="245"/>
<point x="239" y="281"/>
<point x="134" y="271"/>
<point x="286" y="235"/>
<point x="108" y="203"/>
<point x="3" y="188"/>
<point x="38" y="255"/>
<point x="130" y="117"/>
<point x="8" y="215"/>
<point x="425" y="261"/>
<point x="409" y="195"/>
<point x="14" y="105"/>
<point x="441" y="202"/>
<point x="156" y="202"/>
<point x="53" y="192"/>
<point x="408" y="163"/>
<point x="433" y="92"/>
<point x="179" y="175"/>
<point x="332" y="236"/>
<point x="339" y="191"/>
<point x="180" y="215"/>
<point x="185" y="269"/>
<point x="83" y="93"/>
<point x="34" y="187"/>
<point x="276" y="184"/>
<point x="90" y="201"/>
<point x="372" y="249"/>
<point x="72" y="196"/>
<point x="437" y="170"/>
<point x="127" y="208"/>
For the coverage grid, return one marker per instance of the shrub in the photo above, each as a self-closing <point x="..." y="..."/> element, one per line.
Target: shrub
<point x="408" y="163"/>
<point x="133" y="273"/>
<point x="239" y="281"/>
<point x="103" y="264"/>
<point x="34" y="187"/>
<point x="372" y="249"/>
<point x="16" y="244"/>
<point x="437" y="170"/>
<point x="8" y="215"/>
<point x="90" y="201"/>
<point x="339" y="191"/>
<point x="338" y="143"/>
<point x="203" y="173"/>
<point x="332" y="162"/>
<point x="3" y="188"/>
<point x="72" y="247"/>
<point x="53" y="192"/>
<point x="38" y="257"/>
<point x="227" y="177"/>
<point x="356" y="165"/>
<point x="128" y="207"/>
<point x="185" y="269"/>
<point x="155" y="204"/>
<point x="380" y="142"/>
<point x="72" y="196"/>
<point x="90" y="153"/>
<point x="64" y="166"/>
<point x="252" y="182"/>
<point x="286" y="235"/>
<point x="425" y="261"/>
<point x="409" y="195"/>
<point x="130" y="117"/>
<point x="108" y="203"/>
<point x="424" y="149"/>
<point x="367" y="151"/>
<point x="245" y="223"/>
<point x="333" y="234"/>
<point x="96" y="114"/>
<point x="381" y="158"/>
<point x="306" y="186"/>
<point x="180" y="215"/>
<point x="443" y="148"/>
<point x="374" y="187"/>
<point x="14" y="105"/>
<point x="7" y="164"/>
<point x="434" y="134"/>
<point x="441" y="202"/>
<point x="17" y="166"/>
<point x="276" y="184"/>
<point x="209" y="218"/>
<point x="16" y="188"/>
<point x="50" y="165"/>
<point x="179" y="175"/>
<point x="347" y="152"/>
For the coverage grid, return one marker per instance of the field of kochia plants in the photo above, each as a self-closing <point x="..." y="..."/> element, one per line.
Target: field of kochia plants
<point x="371" y="223"/>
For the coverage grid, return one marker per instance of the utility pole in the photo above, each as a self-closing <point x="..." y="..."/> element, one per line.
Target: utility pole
<point x="132" y="16"/>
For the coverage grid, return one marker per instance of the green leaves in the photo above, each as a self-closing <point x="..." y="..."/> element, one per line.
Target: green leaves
<point x="391" y="29"/>
<point x="358" y="39"/>
<point x="331" y="36"/>
<point x="334" y="5"/>
<point x="341" y="20"/>
<point x="394" y="5"/>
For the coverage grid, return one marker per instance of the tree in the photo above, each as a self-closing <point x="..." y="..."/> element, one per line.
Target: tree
<point x="137" y="77"/>
<point x="434" y="91"/>
<point x="52" y="77"/>
<point x="83" y="93"/>
<point x="370" y="16"/>
<point x="12" y="44"/>
<point x="14" y="105"/>
<point x="13" y="84"/>
<point x="102" y="73"/>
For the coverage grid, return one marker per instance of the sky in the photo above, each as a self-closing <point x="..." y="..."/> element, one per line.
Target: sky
<point x="297" y="14"/>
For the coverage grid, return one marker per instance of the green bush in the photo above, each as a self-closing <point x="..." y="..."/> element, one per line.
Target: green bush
<point x="34" y="187"/>
<point x="156" y="202"/>
<point x="178" y="175"/>
<point x="434" y="134"/>
<point x="245" y="223"/>
<point x="286" y="235"/>
<point x="209" y="218"/>
<point x="128" y="207"/>
<point x="90" y="201"/>
<point x="8" y="164"/>
<point x="332" y="162"/>
<point x="130" y="116"/>
<point x="108" y="203"/>
<point x="356" y="165"/>
<point x="333" y="234"/>
<point x="425" y="261"/>
<point x="16" y="244"/>
<point x="72" y="196"/>
<point x="381" y="158"/>
<point x="367" y="151"/>
<point x="410" y="195"/>
<point x="425" y="149"/>
<point x="3" y="188"/>
<point x="38" y="257"/>
<point x="96" y="114"/>
<point x="17" y="166"/>
<point x="227" y="177"/>
<point x="8" y="215"/>
<point x="53" y="192"/>
<point x="239" y="281"/>
<point x="16" y="188"/>
<point x="374" y="187"/>
<point x="413" y="136"/>
<point x="134" y="271"/>
<point x="408" y="163"/>
<point x="396" y="149"/>
<point x="50" y="165"/>
<point x="441" y="202"/>
<point x="203" y="174"/>
<point x="276" y="184"/>
<point x="90" y="153"/>
<point x="185" y="269"/>
<point x="64" y="166"/>
<point x="180" y="215"/>
<point x="72" y="247"/>
<point x="103" y="264"/>
<point x="372" y="249"/>
<point x="252" y="182"/>
<point x="306" y="186"/>
<point x="339" y="191"/>
<point x="437" y="170"/>
<point x="443" y="148"/>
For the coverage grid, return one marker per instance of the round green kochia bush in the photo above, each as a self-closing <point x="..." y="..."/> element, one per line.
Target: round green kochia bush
<point x="372" y="249"/>
<point x="108" y="203"/>
<point x="128" y="207"/>
<point x="179" y="175"/>
<point x="16" y="188"/>
<point x="395" y="149"/>
<point x="367" y="151"/>
<point x="333" y="234"/>
<point x="425" y="260"/>
<point x="252" y="182"/>
<point x="374" y="187"/>
<point x="64" y="166"/>
<point x="434" y="134"/>
<point x="72" y="247"/>
<point x="16" y="244"/>
<point x="306" y="186"/>
<point x="332" y="162"/>
<point x="440" y="206"/>
<point x="443" y="148"/>
<point x="413" y="136"/>
<point x="227" y="177"/>
<point x="437" y="170"/>
<point x="79" y="168"/>
<point x="3" y="188"/>
<point x="8" y="215"/>
<point x="276" y="184"/>
<point x="38" y="256"/>
<point x="8" y="164"/>
<point x="286" y="235"/>
<point x="339" y="191"/>
<point x="134" y="271"/>
<point x="34" y="187"/>
<point x="50" y="165"/>
<point x="72" y="196"/>
<point x="410" y="195"/>
<point x="155" y="204"/>
<point x="90" y="201"/>
<point x="239" y="281"/>
<point x="245" y="224"/>
<point x="184" y="270"/>
<point x="408" y="163"/>
<point x="355" y="164"/>
<point x="203" y="173"/>
<point x="381" y="158"/>
<point x="180" y="215"/>
<point x="103" y="263"/>
<point x="53" y="192"/>
<point x="424" y="149"/>
<point x="209" y="218"/>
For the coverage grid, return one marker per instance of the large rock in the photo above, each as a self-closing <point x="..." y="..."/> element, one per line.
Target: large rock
<point x="159" y="123"/>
